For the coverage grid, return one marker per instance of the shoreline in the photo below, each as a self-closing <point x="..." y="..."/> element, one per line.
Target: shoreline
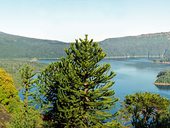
<point x="110" y="57"/>
<point x="162" y="62"/>
<point x="162" y="84"/>
<point x="107" y="57"/>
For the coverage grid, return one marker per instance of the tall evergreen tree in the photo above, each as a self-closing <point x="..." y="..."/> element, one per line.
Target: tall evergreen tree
<point x="26" y="116"/>
<point x="28" y="82"/>
<point x="79" y="88"/>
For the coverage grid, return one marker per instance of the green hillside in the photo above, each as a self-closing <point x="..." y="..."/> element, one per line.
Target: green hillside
<point x="12" y="46"/>
<point x="157" y="44"/>
<point x="143" y="45"/>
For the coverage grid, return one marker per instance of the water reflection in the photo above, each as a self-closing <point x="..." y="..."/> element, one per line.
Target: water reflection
<point x="160" y="87"/>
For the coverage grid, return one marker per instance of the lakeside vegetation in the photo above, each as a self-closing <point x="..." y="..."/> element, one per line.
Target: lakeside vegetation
<point x="12" y="66"/>
<point x="74" y="92"/>
<point x="163" y="78"/>
<point x="162" y="60"/>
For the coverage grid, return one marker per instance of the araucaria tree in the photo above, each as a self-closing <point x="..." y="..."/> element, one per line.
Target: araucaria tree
<point x="79" y="88"/>
<point x="147" y="110"/>
<point x="26" y="116"/>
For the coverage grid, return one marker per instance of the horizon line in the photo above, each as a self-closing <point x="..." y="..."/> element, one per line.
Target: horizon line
<point x="142" y="34"/>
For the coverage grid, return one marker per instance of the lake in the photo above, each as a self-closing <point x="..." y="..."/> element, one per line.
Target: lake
<point x="134" y="75"/>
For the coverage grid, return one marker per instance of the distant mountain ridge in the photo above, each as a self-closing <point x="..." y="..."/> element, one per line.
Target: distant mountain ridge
<point x="154" y="44"/>
<point x="13" y="46"/>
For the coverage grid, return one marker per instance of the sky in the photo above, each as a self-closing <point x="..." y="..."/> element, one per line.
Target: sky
<point x="67" y="20"/>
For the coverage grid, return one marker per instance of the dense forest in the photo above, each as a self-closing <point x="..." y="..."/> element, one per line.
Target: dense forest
<point x="145" y="45"/>
<point x="74" y="92"/>
<point x="157" y="44"/>
<point x="12" y="46"/>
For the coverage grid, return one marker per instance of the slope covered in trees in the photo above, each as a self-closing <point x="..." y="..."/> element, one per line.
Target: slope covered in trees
<point x="12" y="46"/>
<point x="75" y="92"/>
<point x="13" y="66"/>
<point x="157" y="44"/>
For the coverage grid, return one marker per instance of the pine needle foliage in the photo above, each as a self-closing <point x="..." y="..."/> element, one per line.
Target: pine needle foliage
<point x="79" y="87"/>
<point x="26" y="116"/>
<point x="146" y="110"/>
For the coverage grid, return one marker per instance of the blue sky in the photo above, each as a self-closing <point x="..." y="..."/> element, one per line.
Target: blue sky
<point x="67" y="20"/>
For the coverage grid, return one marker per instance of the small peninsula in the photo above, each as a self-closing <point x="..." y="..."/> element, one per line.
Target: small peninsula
<point x="163" y="78"/>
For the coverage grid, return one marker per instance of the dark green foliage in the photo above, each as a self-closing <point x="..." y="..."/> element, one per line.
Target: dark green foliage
<point x="162" y="73"/>
<point x="78" y="88"/>
<point x="146" y="110"/>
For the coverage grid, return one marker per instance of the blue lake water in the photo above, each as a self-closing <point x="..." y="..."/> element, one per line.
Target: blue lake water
<point x="137" y="75"/>
<point x="134" y="75"/>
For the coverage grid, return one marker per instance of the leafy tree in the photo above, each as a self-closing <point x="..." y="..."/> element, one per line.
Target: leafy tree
<point x="146" y="110"/>
<point x="78" y="88"/>
<point x="8" y="92"/>
<point x="8" y="97"/>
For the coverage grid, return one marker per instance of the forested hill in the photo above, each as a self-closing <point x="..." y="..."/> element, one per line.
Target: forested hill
<point x="157" y="44"/>
<point x="12" y="46"/>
